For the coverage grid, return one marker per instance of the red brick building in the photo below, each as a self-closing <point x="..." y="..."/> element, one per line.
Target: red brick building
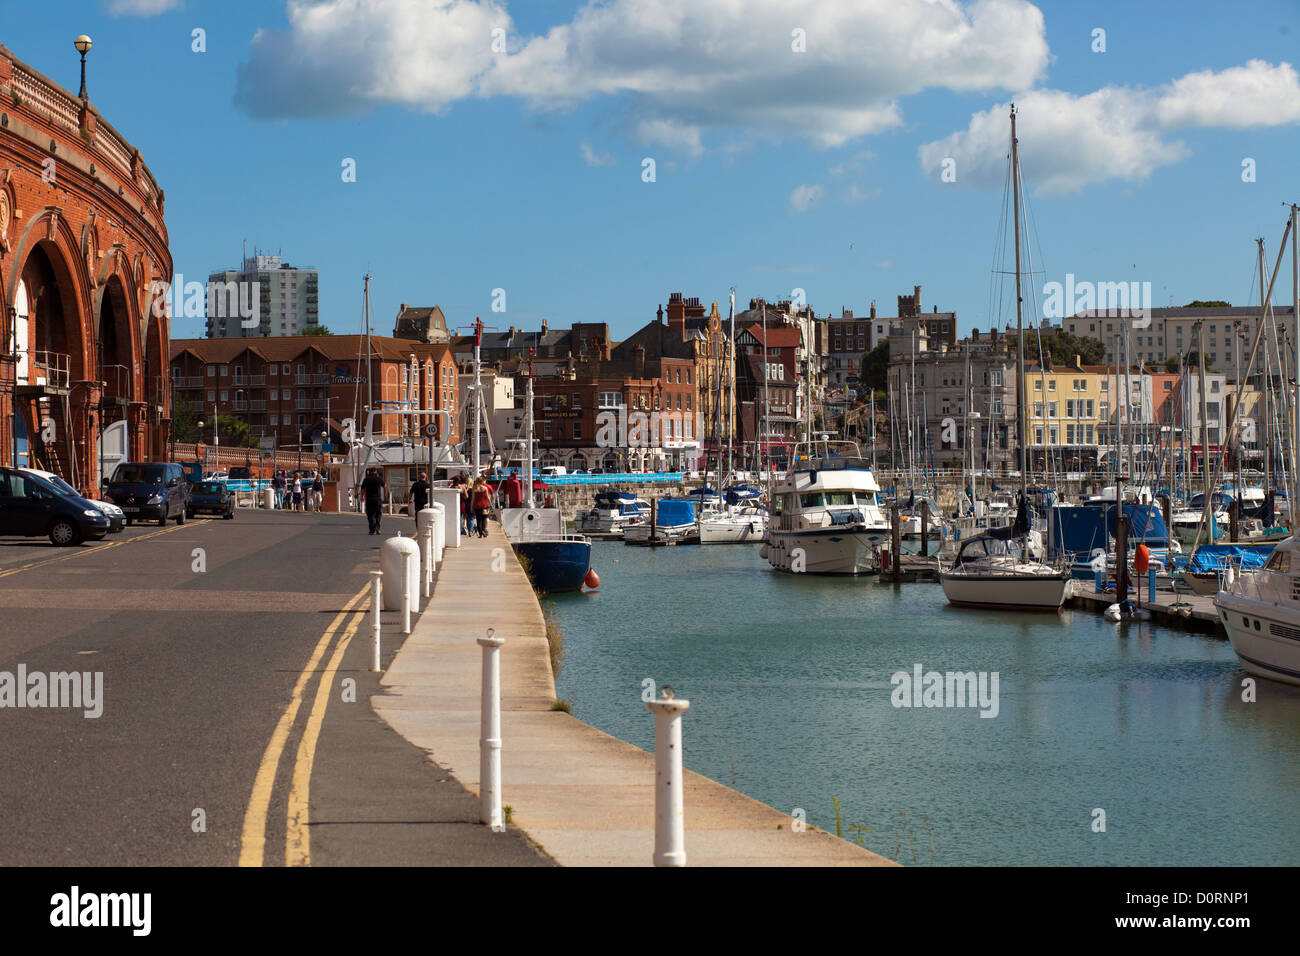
<point x="287" y="386"/>
<point x="83" y="246"/>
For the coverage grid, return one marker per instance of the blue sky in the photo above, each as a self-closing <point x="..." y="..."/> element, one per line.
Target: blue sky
<point x="775" y="169"/>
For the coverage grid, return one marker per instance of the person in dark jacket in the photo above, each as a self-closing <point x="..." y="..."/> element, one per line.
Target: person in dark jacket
<point x="372" y="490"/>
<point x="420" y="494"/>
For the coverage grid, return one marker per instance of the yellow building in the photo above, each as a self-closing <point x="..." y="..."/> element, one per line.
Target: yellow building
<point x="1064" y="411"/>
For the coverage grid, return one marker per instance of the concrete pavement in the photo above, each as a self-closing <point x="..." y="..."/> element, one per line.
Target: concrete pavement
<point x="585" y="797"/>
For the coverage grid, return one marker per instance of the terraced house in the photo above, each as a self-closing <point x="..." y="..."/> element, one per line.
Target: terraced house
<point x="289" y="388"/>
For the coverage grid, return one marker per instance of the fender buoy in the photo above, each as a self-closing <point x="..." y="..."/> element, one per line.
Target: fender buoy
<point x="592" y="580"/>
<point x="1141" y="559"/>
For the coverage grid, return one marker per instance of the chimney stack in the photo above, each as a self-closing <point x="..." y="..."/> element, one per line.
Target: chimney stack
<point x="638" y="360"/>
<point x="873" y="309"/>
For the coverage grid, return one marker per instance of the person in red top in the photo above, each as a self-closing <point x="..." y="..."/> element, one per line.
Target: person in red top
<point x="514" y="490"/>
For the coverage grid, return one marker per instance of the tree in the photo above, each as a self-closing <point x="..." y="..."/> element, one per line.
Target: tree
<point x="317" y="330"/>
<point x="1063" y="346"/>
<point x="234" y="432"/>
<point x="875" y="368"/>
<point x="1193" y="362"/>
<point x="1208" y="304"/>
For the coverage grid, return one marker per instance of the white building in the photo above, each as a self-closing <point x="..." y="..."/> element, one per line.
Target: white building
<point x="286" y="295"/>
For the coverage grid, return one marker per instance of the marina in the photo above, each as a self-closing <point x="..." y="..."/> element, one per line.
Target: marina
<point x="793" y="708"/>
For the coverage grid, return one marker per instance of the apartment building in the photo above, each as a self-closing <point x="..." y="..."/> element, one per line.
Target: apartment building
<point x="288" y="299"/>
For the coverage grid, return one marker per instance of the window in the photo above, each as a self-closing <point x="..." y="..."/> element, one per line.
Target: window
<point x="1038" y="385"/>
<point x="546" y="431"/>
<point x="1069" y="408"/>
<point x="997" y="376"/>
<point x="1051" y="385"/>
<point x="577" y="402"/>
<point x="577" y="429"/>
<point x="1069" y="434"/>
<point x="1051" y="410"/>
<point x="212" y="371"/>
<point x="275" y="394"/>
<point x="609" y="399"/>
<point x="1038" y="434"/>
<point x="286" y="372"/>
<point x="1038" y="409"/>
<point x="225" y="370"/>
<point x="1088" y="408"/>
<point x="1105" y="385"/>
<point x="212" y="396"/>
<point x="1105" y="410"/>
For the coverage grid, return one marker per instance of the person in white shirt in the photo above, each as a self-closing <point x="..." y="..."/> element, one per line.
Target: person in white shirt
<point x="297" y="492"/>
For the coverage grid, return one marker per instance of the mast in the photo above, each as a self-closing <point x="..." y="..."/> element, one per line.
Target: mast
<point x="1205" y="436"/>
<point x="1295" y="327"/>
<point x="478" y="394"/>
<point x="528" y="442"/>
<point x="731" y="418"/>
<point x="370" y="370"/>
<point x="1020" y="328"/>
<point x="767" y="404"/>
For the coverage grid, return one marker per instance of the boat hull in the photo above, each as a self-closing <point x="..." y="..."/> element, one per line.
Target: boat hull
<point x="555" y="566"/>
<point x="1272" y="651"/>
<point x="826" y="552"/>
<point x="1022" y="592"/>
<point x="731" y="532"/>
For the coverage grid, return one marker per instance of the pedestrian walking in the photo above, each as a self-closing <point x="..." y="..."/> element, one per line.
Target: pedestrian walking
<point x="420" y="494"/>
<point x="372" y="489"/>
<point x="482" y="501"/>
<point x="278" y="484"/>
<point x="514" y="490"/>
<point x="466" y="515"/>
<point x="318" y="492"/>
<point x="297" y="492"/>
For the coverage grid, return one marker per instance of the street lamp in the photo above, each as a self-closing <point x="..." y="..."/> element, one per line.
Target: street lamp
<point x="83" y="44"/>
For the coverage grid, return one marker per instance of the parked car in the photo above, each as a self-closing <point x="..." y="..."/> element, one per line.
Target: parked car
<point x="31" y="506"/>
<point x="150" y="491"/>
<point x="211" y="497"/>
<point x="116" y="517"/>
<point x="240" y="473"/>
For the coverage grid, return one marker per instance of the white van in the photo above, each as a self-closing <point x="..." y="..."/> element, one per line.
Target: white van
<point x="554" y="471"/>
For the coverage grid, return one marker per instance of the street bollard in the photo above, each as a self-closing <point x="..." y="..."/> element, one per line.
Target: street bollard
<point x="670" y="837"/>
<point x="427" y="554"/>
<point x="489" y="742"/>
<point x="1151" y="585"/>
<point x="376" y="600"/>
<point x="408" y="592"/>
<point x="439" y="533"/>
<point x="399" y="573"/>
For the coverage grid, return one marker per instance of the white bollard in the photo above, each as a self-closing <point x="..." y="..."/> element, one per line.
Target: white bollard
<point x="396" y="569"/>
<point x="439" y="534"/>
<point x="449" y="498"/>
<point x="409" y="590"/>
<point x="489" y="742"/>
<point x="670" y="836"/>
<point x="376" y="599"/>
<point x="426" y="520"/>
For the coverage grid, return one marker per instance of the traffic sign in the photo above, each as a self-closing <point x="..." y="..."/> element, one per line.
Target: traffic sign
<point x="431" y="430"/>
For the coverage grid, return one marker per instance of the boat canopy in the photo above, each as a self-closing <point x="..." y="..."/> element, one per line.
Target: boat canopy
<point x="738" y="493"/>
<point x="612" y="499"/>
<point x="1216" y="557"/>
<point x="674" y="512"/>
<point x="1146" y="525"/>
<point x="982" y="546"/>
<point x="1018" y="528"/>
<point x="705" y="492"/>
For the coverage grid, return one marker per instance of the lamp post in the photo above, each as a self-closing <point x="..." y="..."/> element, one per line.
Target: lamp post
<point x="83" y="44"/>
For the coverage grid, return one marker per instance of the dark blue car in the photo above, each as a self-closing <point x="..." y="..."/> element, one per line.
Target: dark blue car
<point x="211" y="497"/>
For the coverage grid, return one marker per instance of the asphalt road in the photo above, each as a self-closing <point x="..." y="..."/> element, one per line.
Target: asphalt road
<point x="201" y="633"/>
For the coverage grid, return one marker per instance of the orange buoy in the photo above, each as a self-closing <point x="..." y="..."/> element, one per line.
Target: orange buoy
<point x="1141" y="559"/>
<point x="593" y="579"/>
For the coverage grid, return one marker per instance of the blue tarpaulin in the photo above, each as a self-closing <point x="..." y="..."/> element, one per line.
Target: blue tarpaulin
<point x="1215" y="557"/>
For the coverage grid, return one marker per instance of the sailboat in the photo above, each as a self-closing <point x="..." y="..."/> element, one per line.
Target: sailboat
<point x="555" y="561"/>
<point x="996" y="570"/>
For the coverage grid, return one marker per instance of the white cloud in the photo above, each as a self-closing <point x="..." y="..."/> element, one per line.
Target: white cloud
<point x="855" y="193"/>
<point x="852" y="163"/>
<point x="141" y="8"/>
<point x="1068" y="141"/>
<point x="668" y="133"/>
<point x="593" y="159"/>
<point x="686" y="67"/>
<point x="804" y="198"/>
<point x="340" y="57"/>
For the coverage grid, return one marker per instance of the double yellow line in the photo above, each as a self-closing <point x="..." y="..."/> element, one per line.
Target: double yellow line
<point x="297" y="846"/>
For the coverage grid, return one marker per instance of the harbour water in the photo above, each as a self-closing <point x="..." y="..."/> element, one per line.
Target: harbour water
<point x="789" y="679"/>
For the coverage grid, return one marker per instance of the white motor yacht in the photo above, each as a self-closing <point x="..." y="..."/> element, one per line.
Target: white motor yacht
<point x="825" y="515"/>
<point x="1260" y="611"/>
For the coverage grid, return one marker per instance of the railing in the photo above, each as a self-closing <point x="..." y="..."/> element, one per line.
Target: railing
<point x="50" y="369"/>
<point x="259" y="405"/>
<point x="61" y="110"/>
<point x="188" y="381"/>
